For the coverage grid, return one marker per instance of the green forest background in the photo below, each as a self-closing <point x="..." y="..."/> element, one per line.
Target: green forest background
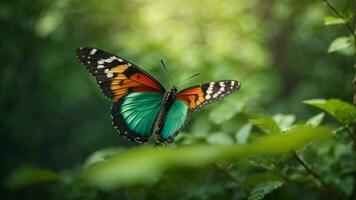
<point x="265" y="141"/>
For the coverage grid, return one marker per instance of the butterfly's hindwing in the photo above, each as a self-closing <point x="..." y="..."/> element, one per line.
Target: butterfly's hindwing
<point x="134" y="115"/>
<point x="198" y="96"/>
<point x="175" y="120"/>
<point x="116" y="76"/>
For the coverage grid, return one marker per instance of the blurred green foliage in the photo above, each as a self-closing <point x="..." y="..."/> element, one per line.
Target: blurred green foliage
<point x="54" y="116"/>
<point x="135" y="166"/>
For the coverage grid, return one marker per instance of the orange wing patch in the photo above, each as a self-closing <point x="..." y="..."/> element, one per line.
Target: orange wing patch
<point x="121" y="84"/>
<point x="192" y="97"/>
<point x="119" y="69"/>
<point x="142" y="78"/>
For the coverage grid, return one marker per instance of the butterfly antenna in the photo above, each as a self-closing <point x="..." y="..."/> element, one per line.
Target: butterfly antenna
<point x="192" y="76"/>
<point x="170" y="76"/>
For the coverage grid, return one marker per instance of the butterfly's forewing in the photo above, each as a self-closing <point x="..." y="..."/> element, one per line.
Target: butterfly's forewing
<point x="138" y="95"/>
<point x="116" y="76"/>
<point x="198" y="96"/>
<point x="176" y="117"/>
<point x="192" y="99"/>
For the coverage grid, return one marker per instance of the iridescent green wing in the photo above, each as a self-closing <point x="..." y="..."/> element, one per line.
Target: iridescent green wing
<point x="176" y="117"/>
<point x="138" y="95"/>
<point x="134" y="115"/>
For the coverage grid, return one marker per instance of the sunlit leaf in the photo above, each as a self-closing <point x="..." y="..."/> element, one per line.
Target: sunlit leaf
<point x="284" y="122"/>
<point x="267" y="124"/>
<point x="225" y="111"/>
<point x="49" y="23"/>
<point x="331" y="20"/>
<point x="26" y="176"/>
<point x="263" y="189"/>
<point x="101" y="155"/>
<point x="315" y="120"/>
<point x="340" y="43"/>
<point x="342" y="111"/>
<point x="219" y="138"/>
<point x="146" y="164"/>
<point x="243" y="134"/>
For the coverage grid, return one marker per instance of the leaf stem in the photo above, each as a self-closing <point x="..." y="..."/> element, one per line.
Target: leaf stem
<point x="317" y="188"/>
<point x="317" y="176"/>
<point x="348" y="23"/>
<point x="223" y="171"/>
<point x="308" y="169"/>
<point x="352" y="136"/>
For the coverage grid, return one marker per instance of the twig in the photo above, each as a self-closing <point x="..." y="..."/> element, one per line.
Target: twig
<point x="350" y="134"/>
<point x="227" y="174"/>
<point x="308" y="169"/>
<point x="317" y="176"/>
<point x="347" y="22"/>
<point x="312" y="187"/>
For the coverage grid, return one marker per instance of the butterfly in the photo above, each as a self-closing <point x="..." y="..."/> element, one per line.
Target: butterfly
<point x="142" y="106"/>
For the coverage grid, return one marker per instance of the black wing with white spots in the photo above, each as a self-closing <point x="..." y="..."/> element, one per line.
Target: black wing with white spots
<point x="116" y="76"/>
<point x="197" y="97"/>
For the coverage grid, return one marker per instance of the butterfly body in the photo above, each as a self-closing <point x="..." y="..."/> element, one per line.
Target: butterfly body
<point x="142" y="106"/>
<point x="168" y="99"/>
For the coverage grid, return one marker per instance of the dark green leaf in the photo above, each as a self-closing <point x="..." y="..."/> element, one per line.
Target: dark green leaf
<point x="25" y="176"/>
<point x="342" y="111"/>
<point x="266" y="124"/>
<point x="263" y="189"/>
<point x="259" y="178"/>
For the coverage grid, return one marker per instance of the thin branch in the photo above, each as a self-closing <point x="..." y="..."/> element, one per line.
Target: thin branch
<point x="308" y="169"/>
<point x="317" y="176"/>
<point x="317" y="188"/>
<point x="227" y="174"/>
<point x="347" y="21"/>
<point x="352" y="136"/>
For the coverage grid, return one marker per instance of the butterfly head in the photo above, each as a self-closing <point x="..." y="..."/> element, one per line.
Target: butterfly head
<point x="170" y="95"/>
<point x="173" y="90"/>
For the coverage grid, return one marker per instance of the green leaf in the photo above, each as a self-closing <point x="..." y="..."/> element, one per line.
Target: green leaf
<point x="146" y="164"/>
<point x="331" y="20"/>
<point x="225" y="111"/>
<point x="101" y="155"/>
<point x="259" y="178"/>
<point x="243" y="134"/>
<point x="284" y="122"/>
<point x="49" y="23"/>
<point x="340" y="43"/>
<point x="26" y="176"/>
<point x="219" y="138"/>
<point x="315" y="120"/>
<point x="342" y="111"/>
<point x="263" y="189"/>
<point x="267" y="124"/>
